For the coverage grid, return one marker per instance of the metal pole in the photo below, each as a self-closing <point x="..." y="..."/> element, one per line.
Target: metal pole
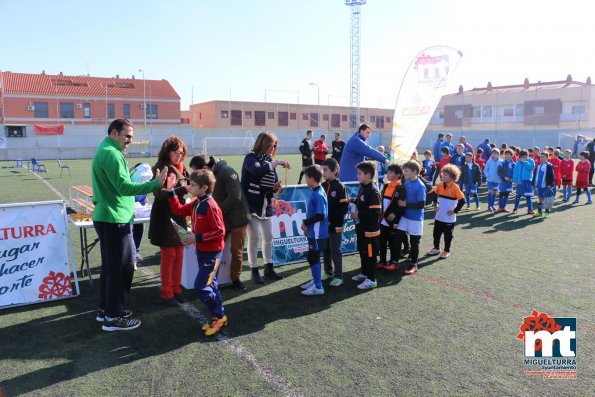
<point x="144" y="94"/>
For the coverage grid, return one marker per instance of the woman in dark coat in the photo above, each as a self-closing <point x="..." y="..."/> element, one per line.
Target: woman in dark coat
<point x="161" y="231"/>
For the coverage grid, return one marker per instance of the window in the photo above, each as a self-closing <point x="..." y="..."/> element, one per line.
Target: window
<point x="343" y="117"/>
<point x="519" y="110"/>
<point x="313" y="119"/>
<point x="486" y="111"/>
<point x="259" y="118"/>
<point x="248" y="114"/>
<point x="41" y="110"/>
<point x="459" y="114"/>
<point x="292" y="116"/>
<point x="152" y="112"/>
<point x="111" y="111"/>
<point x="441" y="114"/>
<point x="437" y="73"/>
<point x="325" y="117"/>
<point x="380" y="122"/>
<point x="476" y="111"/>
<point x="236" y="117"/>
<point x="15" y="131"/>
<point x="305" y="116"/>
<point x="224" y="114"/>
<point x="362" y="119"/>
<point x="87" y="111"/>
<point x="539" y="110"/>
<point x="579" y="109"/>
<point x="271" y="115"/>
<point x="335" y="120"/>
<point x="283" y="119"/>
<point x="508" y="112"/>
<point x="387" y="119"/>
<point x="66" y="110"/>
<point x="126" y="110"/>
<point x="373" y="119"/>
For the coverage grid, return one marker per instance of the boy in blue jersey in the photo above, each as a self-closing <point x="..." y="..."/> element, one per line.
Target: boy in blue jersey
<point x="412" y="221"/>
<point x="522" y="176"/>
<point x="458" y="159"/>
<point x="471" y="179"/>
<point x="543" y="180"/>
<point x="493" y="180"/>
<point x="505" y="170"/>
<point x="315" y="227"/>
<point x="429" y="165"/>
<point x="382" y="167"/>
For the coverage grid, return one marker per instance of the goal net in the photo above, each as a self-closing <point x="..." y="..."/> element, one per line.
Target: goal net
<point x="215" y="145"/>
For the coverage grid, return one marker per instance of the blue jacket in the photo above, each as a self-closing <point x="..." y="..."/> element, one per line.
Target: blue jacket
<point x="253" y="172"/>
<point x="505" y="169"/>
<point x="487" y="150"/>
<point x="449" y="145"/>
<point x="356" y="150"/>
<point x="523" y="171"/>
<point x="436" y="150"/>
<point x="491" y="170"/>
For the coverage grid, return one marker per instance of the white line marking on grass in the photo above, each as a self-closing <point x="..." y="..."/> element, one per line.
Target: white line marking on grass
<point x="51" y="187"/>
<point x="277" y="382"/>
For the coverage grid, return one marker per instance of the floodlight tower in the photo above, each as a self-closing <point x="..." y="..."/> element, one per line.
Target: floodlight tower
<point x="355" y="60"/>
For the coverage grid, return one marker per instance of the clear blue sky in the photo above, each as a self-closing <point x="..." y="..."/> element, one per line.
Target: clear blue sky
<point x="218" y="46"/>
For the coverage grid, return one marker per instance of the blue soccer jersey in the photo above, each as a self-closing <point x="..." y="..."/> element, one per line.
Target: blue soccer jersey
<point x="318" y="206"/>
<point x="416" y="192"/>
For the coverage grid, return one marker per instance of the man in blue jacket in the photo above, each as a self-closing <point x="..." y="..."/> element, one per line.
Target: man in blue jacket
<point x="487" y="149"/>
<point x="356" y="150"/>
<point x="437" y="147"/>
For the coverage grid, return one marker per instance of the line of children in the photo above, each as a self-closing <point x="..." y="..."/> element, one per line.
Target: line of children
<point x="392" y="193"/>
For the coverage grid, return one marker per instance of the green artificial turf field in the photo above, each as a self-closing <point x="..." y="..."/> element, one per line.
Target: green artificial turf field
<point x="448" y="330"/>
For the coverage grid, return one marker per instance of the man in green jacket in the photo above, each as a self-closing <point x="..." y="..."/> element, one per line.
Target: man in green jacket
<point x="230" y="197"/>
<point x="113" y="196"/>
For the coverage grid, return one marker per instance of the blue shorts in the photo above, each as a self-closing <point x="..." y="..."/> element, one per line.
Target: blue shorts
<point x="470" y="189"/>
<point x="542" y="192"/>
<point x="493" y="185"/>
<point x="505" y="187"/>
<point x="525" y="189"/>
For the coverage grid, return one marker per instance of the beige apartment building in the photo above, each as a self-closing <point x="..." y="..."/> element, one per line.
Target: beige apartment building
<point x="261" y="115"/>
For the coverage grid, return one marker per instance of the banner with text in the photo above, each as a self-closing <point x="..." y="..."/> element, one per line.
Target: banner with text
<point x="34" y="253"/>
<point x="49" y="129"/>
<point x="290" y="245"/>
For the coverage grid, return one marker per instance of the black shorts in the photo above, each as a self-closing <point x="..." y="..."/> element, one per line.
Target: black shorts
<point x="306" y="162"/>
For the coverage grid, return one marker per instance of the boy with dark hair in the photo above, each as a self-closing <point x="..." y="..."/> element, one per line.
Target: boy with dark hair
<point x="583" y="169"/>
<point x="367" y="217"/>
<point x="208" y="235"/>
<point x="392" y="193"/>
<point x="505" y="170"/>
<point x="471" y="179"/>
<point x="492" y="178"/>
<point x="315" y="227"/>
<point x="567" y="170"/>
<point x="412" y="221"/>
<point x="429" y="166"/>
<point x="445" y="158"/>
<point x="338" y="204"/>
<point x="522" y="176"/>
<point x="448" y="201"/>
<point x="543" y="180"/>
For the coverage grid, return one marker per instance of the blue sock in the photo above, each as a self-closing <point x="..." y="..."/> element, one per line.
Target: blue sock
<point x="501" y="202"/>
<point x="529" y="204"/>
<point x="467" y="199"/>
<point x="316" y="274"/>
<point x="517" y="202"/>
<point x="588" y="195"/>
<point x="504" y="201"/>
<point x="476" y="197"/>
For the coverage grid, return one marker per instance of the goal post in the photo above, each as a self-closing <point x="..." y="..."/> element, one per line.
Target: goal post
<point x="219" y="145"/>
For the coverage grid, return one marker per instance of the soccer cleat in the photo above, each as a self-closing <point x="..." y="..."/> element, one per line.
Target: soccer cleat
<point x="119" y="324"/>
<point x="367" y="284"/>
<point x="215" y="325"/>
<point x="126" y="313"/>
<point x="312" y="291"/>
<point x="391" y="267"/>
<point x="575" y="202"/>
<point x="547" y="215"/>
<point x="336" y="282"/>
<point x="412" y="270"/>
<point x="309" y="284"/>
<point x="468" y="207"/>
<point x="589" y="202"/>
<point x="478" y="208"/>
<point x="433" y="251"/>
<point x="500" y="210"/>
<point x="531" y="212"/>
<point x="205" y="326"/>
<point x="326" y="276"/>
<point x="358" y="277"/>
<point x="514" y="211"/>
<point x="444" y="254"/>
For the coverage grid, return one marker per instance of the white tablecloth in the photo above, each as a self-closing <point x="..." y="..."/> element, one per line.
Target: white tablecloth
<point x="190" y="266"/>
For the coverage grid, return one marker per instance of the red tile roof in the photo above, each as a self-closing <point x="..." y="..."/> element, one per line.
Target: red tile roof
<point x="46" y="84"/>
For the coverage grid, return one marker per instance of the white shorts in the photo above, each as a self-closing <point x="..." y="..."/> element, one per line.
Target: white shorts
<point x="414" y="228"/>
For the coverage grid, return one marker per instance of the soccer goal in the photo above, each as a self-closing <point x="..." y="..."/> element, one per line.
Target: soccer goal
<point x="139" y="148"/>
<point x="228" y="145"/>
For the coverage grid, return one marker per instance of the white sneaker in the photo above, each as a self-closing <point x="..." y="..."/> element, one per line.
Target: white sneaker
<point x="367" y="284"/>
<point x="359" y="277"/>
<point x="326" y="276"/>
<point x="308" y="285"/>
<point x="433" y="251"/>
<point x="313" y="291"/>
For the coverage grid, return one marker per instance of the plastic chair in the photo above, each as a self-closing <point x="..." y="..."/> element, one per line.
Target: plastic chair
<point x="63" y="167"/>
<point x="37" y="167"/>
